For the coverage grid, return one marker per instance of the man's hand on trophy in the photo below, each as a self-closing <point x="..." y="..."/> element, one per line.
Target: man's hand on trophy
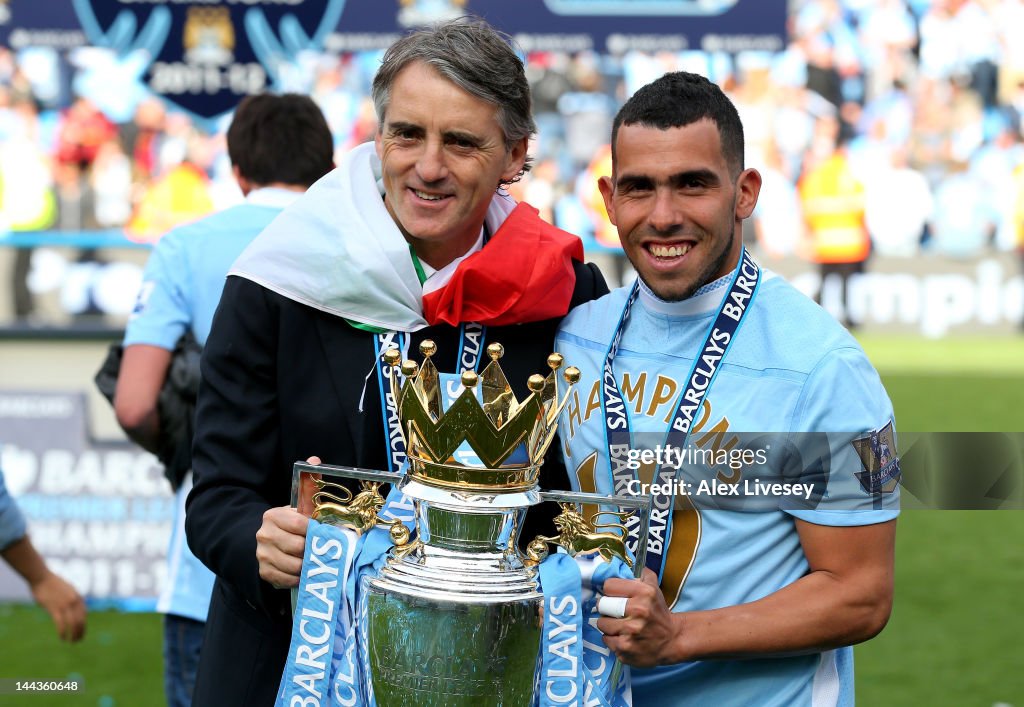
<point x="647" y="633"/>
<point x="280" y="544"/>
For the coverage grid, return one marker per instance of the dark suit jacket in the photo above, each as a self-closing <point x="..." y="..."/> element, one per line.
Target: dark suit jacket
<point x="282" y="381"/>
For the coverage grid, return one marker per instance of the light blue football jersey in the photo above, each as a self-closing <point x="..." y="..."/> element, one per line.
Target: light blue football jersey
<point x="182" y="284"/>
<point x="790" y="369"/>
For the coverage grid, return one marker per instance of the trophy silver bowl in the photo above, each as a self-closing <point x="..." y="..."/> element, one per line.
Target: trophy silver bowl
<point x="454" y="620"/>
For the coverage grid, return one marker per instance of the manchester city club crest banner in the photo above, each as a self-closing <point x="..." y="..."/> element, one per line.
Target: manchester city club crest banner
<point x="205" y="56"/>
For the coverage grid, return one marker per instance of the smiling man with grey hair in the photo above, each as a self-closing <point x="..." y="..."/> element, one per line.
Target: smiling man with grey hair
<point x="476" y="59"/>
<point x="410" y="238"/>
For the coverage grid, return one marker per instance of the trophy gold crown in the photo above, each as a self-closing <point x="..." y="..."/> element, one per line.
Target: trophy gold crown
<point x="509" y="437"/>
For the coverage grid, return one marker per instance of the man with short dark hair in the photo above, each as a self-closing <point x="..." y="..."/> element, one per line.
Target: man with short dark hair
<point x="278" y="146"/>
<point x="411" y="238"/>
<point x="754" y="601"/>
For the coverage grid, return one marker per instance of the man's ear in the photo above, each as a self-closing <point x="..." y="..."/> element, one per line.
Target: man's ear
<point x="748" y="187"/>
<point x="607" y="187"/>
<point x="516" y="159"/>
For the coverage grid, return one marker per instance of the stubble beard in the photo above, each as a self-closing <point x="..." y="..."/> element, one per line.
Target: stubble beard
<point x="714" y="266"/>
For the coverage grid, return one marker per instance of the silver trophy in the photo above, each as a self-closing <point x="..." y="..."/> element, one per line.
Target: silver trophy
<point x="454" y="616"/>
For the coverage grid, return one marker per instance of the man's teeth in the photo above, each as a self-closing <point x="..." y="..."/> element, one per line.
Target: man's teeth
<point x="428" y="197"/>
<point x="669" y="251"/>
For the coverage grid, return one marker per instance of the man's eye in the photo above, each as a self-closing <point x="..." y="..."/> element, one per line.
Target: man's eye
<point x="635" y="188"/>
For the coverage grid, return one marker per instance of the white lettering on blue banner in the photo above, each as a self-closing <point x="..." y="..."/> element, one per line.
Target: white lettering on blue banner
<point x="561" y="679"/>
<point x="321" y="598"/>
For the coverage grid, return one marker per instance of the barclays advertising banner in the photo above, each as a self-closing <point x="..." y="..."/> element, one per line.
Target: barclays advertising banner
<point x="204" y="55"/>
<point x="99" y="512"/>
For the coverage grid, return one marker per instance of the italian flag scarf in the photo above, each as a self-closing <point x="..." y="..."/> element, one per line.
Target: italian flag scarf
<point x="337" y="249"/>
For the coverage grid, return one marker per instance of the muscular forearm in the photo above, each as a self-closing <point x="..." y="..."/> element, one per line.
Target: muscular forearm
<point x="844" y="598"/>
<point x="54" y="594"/>
<point x="813" y="614"/>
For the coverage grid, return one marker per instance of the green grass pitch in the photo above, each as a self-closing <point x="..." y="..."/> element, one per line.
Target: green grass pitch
<point x="957" y="624"/>
<point x="955" y="637"/>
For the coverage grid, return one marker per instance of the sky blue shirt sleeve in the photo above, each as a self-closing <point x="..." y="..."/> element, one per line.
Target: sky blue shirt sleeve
<point x="12" y="522"/>
<point x="844" y="398"/>
<point x="162" y="309"/>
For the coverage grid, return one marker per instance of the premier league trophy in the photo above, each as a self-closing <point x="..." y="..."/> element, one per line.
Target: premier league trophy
<point x="453" y="617"/>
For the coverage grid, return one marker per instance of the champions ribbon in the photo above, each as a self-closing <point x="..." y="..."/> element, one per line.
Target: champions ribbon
<point x="598" y="660"/>
<point x="561" y="665"/>
<point x="319" y="607"/>
<point x="706" y="365"/>
<point x="576" y="665"/>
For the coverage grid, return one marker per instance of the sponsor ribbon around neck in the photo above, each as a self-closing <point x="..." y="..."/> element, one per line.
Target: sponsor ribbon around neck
<point x="314" y="654"/>
<point x="471" y="341"/>
<point x="395" y="442"/>
<point x="707" y="363"/>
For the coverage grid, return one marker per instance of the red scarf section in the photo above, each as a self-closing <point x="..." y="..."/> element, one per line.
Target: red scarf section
<point x="523" y="274"/>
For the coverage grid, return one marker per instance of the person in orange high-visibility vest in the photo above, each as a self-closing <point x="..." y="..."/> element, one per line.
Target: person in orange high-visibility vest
<point x="833" y="203"/>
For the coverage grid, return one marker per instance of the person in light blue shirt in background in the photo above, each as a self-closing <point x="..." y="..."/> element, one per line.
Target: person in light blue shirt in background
<point x="754" y="599"/>
<point x="278" y="146"/>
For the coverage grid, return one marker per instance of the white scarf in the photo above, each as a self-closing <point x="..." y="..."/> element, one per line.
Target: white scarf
<point x="337" y="249"/>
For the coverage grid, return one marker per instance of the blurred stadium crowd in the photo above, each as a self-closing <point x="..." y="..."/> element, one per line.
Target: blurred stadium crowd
<point x="903" y="115"/>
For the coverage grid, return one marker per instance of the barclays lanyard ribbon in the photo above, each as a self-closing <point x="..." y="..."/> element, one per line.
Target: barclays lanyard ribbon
<point x="706" y="366"/>
<point x="471" y="341"/>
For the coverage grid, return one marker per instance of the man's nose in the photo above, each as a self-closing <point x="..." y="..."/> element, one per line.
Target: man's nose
<point x="431" y="165"/>
<point x="665" y="216"/>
